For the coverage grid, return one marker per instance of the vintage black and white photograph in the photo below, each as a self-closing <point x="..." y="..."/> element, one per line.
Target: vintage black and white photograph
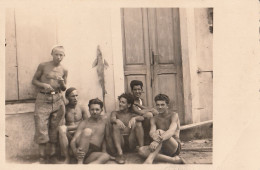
<point x="109" y="85"/>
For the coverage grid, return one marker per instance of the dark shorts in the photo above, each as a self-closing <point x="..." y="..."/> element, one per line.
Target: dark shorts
<point x="92" y="148"/>
<point x="48" y="115"/>
<point x="164" y="151"/>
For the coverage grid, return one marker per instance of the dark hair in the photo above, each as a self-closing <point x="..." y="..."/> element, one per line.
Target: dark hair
<point x="128" y="96"/>
<point x="95" y="101"/>
<point x="136" y="83"/>
<point x="162" y="97"/>
<point x="69" y="90"/>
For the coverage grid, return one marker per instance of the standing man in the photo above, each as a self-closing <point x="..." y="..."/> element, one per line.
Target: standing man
<point x="88" y="144"/>
<point x="165" y="132"/>
<point x="126" y="123"/>
<point x="50" y="78"/>
<point x="75" y="113"/>
<point x="140" y="109"/>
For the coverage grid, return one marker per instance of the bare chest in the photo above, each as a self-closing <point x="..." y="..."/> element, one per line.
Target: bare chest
<point x="163" y="123"/>
<point x="73" y="115"/>
<point x="51" y="72"/>
<point x="96" y="127"/>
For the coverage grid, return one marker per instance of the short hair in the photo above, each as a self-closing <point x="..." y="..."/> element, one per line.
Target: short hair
<point x="128" y="96"/>
<point x="136" y="83"/>
<point x="95" y="101"/>
<point x="69" y="90"/>
<point x="162" y="97"/>
<point x="59" y="48"/>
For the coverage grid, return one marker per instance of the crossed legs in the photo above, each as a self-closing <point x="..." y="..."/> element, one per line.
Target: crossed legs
<point x="169" y="147"/>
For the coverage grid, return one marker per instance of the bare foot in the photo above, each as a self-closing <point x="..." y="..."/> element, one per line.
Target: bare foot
<point x="178" y="160"/>
<point x="67" y="161"/>
<point x="148" y="162"/>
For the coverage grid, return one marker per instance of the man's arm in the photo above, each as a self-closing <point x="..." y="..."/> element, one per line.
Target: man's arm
<point x="37" y="76"/>
<point x="76" y="135"/>
<point x="63" y="82"/>
<point x="113" y="117"/>
<point x="114" y="120"/>
<point x="153" y="127"/>
<point x="173" y="126"/>
<point x="84" y="113"/>
<point x="137" y="111"/>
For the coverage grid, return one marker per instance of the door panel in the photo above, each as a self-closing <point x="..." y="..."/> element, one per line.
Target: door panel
<point x="133" y="33"/>
<point x="167" y="85"/>
<point x="164" y="41"/>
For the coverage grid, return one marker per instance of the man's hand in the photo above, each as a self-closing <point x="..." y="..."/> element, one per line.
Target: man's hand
<point x="132" y="123"/>
<point x="47" y="87"/>
<point x="155" y="136"/>
<point x="153" y="146"/>
<point x="137" y="104"/>
<point x="154" y="111"/>
<point x="120" y="124"/>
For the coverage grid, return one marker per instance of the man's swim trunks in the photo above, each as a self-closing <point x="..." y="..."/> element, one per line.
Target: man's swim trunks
<point x="48" y="115"/>
<point x="177" y="152"/>
<point x="92" y="148"/>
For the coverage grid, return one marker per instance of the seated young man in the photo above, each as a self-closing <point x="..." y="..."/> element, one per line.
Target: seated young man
<point x="140" y="109"/>
<point x="165" y="131"/>
<point x="126" y="123"/>
<point x="74" y="114"/>
<point x="89" y="138"/>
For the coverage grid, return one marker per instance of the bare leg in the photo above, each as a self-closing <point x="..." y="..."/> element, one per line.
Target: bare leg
<point x="64" y="142"/>
<point x="117" y="139"/>
<point x="145" y="152"/>
<point x="97" y="158"/>
<point x="139" y="132"/>
<point x="152" y="155"/>
<point x="146" y="127"/>
<point x="83" y="142"/>
<point x="42" y="149"/>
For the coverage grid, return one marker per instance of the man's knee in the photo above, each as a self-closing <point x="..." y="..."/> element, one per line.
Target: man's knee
<point x="87" y="132"/>
<point x="148" y="115"/>
<point x="62" y="129"/>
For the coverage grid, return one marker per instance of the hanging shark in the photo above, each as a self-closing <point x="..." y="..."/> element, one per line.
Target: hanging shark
<point x="101" y="65"/>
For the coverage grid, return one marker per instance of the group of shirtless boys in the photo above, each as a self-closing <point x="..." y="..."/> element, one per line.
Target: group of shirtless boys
<point x="83" y="138"/>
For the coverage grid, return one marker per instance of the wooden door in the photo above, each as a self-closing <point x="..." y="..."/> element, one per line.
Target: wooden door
<point x="152" y="53"/>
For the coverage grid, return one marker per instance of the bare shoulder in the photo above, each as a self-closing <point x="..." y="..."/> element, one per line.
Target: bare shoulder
<point x="104" y="119"/>
<point x="65" y="70"/>
<point x="174" y="115"/>
<point x="114" y="112"/>
<point x="43" y="64"/>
